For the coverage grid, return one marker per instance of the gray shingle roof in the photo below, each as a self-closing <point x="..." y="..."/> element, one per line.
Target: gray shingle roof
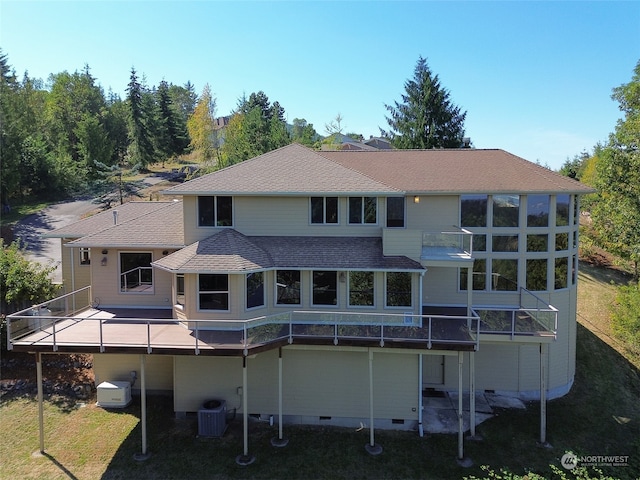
<point x="290" y="170"/>
<point x="103" y="220"/>
<point x="231" y="251"/>
<point x="160" y="227"/>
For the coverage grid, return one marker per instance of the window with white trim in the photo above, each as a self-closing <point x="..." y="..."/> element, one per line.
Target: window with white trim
<point x="324" y="210"/>
<point x="325" y="287"/>
<point x="85" y="256"/>
<point x="136" y="274"/>
<point x="398" y="289"/>
<point x="213" y="291"/>
<point x="361" y="289"/>
<point x="255" y="289"/>
<point x="363" y="210"/>
<point x="215" y="211"/>
<point x="395" y="212"/>
<point x="288" y="287"/>
<point x="179" y="300"/>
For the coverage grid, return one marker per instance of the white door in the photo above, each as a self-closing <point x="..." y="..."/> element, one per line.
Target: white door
<point x="433" y="370"/>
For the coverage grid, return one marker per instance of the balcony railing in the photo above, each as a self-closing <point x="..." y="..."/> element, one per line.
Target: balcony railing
<point x="47" y="328"/>
<point x="534" y="317"/>
<point x="448" y="242"/>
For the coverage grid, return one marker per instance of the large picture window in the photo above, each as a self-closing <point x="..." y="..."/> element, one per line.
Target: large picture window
<point x="479" y="275"/>
<point x="395" y="212"/>
<point x="538" y="211"/>
<point x="324" y="210"/>
<point x="562" y="210"/>
<point x="398" y="289"/>
<point x="213" y="292"/>
<point x="363" y="210"/>
<point x="255" y="289"/>
<point x="288" y="287"/>
<point x="325" y="288"/>
<point x="473" y="210"/>
<point x="361" y="289"/>
<point x="136" y="274"/>
<point x="506" y="210"/>
<point x="504" y="275"/>
<point x="215" y="211"/>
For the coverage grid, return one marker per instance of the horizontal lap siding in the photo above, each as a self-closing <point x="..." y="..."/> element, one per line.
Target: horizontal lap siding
<point x="116" y="367"/>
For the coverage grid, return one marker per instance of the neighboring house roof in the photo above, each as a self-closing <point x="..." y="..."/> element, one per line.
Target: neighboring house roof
<point x="379" y="143"/>
<point x="160" y="227"/>
<point x="231" y="251"/>
<point x="295" y="169"/>
<point x="291" y="170"/>
<point x="105" y="219"/>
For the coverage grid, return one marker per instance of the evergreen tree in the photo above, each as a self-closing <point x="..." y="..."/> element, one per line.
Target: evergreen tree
<point x="141" y="150"/>
<point x="171" y="132"/>
<point x="426" y="117"/>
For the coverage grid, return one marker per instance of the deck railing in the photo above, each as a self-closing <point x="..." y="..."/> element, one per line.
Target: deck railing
<point x="380" y="328"/>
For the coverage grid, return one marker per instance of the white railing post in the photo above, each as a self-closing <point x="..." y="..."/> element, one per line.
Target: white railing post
<point x="429" y="344"/>
<point x="55" y="345"/>
<point x="290" y="328"/>
<point x="149" y="336"/>
<point x="197" y="335"/>
<point x="101" y="337"/>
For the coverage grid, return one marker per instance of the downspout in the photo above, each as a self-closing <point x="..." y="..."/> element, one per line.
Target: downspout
<point x="543" y="396"/>
<point x="460" y="418"/>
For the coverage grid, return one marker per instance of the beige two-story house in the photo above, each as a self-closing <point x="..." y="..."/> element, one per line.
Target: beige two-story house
<point x="329" y="287"/>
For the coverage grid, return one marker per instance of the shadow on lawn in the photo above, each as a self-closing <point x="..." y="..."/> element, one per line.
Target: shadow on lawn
<point x="599" y="416"/>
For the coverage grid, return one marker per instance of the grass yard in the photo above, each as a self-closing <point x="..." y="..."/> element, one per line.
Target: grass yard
<point x="600" y="416"/>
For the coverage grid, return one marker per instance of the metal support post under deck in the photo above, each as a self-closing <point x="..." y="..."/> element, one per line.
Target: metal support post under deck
<point x="40" y="400"/>
<point x="460" y="418"/>
<point x="143" y="409"/>
<point x="245" y="458"/>
<point x="472" y="394"/>
<point x="543" y="395"/>
<point x="420" y="400"/>
<point x="280" y="441"/>
<point x="371" y="447"/>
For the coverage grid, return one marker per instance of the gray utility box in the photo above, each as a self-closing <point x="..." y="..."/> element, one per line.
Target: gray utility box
<point x="212" y="418"/>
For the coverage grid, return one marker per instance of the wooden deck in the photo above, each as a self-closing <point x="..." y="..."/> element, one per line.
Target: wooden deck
<point x="152" y="331"/>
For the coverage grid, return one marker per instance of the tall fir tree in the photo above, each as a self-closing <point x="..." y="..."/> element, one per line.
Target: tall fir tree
<point x="141" y="151"/>
<point x="426" y="117"/>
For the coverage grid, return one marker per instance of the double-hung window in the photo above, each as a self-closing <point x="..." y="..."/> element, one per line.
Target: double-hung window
<point x="324" y="210"/>
<point x="213" y="292"/>
<point x="215" y="211"/>
<point x="363" y="210"/>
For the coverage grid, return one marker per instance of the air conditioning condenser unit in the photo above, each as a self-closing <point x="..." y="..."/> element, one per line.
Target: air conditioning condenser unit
<point x="113" y="394"/>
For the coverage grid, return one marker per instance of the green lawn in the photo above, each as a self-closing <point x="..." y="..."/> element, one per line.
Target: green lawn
<point x="600" y="416"/>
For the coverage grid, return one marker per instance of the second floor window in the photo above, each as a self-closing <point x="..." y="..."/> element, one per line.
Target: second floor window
<point x="324" y="210"/>
<point x="255" y="289"/>
<point x="180" y="289"/>
<point x="363" y="210"/>
<point x="395" y="212"/>
<point x="215" y="211"/>
<point x="325" y="288"/>
<point x="136" y="274"/>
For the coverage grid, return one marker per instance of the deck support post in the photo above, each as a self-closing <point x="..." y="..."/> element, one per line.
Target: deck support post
<point x="245" y="458"/>
<point x="463" y="462"/>
<point x="543" y="396"/>
<point x="280" y="441"/>
<point x="40" y="400"/>
<point x="371" y="447"/>
<point x="472" y="393"/>
<point x="420" y="401"/>
<point x="144" y="455"/>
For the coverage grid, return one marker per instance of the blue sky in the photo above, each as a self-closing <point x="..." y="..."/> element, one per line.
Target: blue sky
<point x="534" y="77"/>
